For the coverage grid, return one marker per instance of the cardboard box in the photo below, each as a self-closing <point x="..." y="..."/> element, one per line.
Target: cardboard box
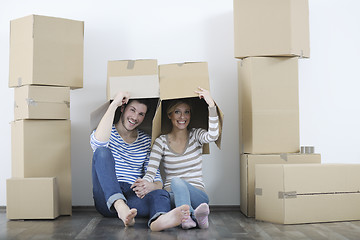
<point x="271" y="28"/>
<point x="46" y="51"/>
<point x="139" y="78"/>
<point x="41" y="148"/>
<point x="32" y="198"/>
<point x="131" y="75"/>
<point x="247" y="173"/>
<point x="41" y="102"/>
<point x="180" y="80"/>
<point x="307" y="193"/>
<point x="269" y="94"/>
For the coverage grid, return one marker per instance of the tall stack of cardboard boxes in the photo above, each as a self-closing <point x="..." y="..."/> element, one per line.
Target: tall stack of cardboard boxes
<point x="270" y="37"/>
<point x="46" y="61"/>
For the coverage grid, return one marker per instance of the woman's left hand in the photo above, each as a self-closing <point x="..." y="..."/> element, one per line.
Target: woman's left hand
<point x="205" y="94"/>
<point x="142" y="187"/>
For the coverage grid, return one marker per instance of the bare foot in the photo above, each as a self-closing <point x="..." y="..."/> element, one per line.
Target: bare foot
<point x="126" y="214"/>
<point x="171" y="219"/>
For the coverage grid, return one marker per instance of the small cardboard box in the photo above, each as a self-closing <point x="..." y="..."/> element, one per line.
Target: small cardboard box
<point x="247" y="173"/>
<point x="269" y="94"/>
<point x="271" y="28"/>
<point x="307" y="193"/>
<point x="41" y="102"/>
<point x="139" y="78"/>
<point x="180" y="80"/>
<point x="32" y="198"/>
<point x="132" y="75"/>
<point x="46" y="51"/>
<point x="41" y="148"/>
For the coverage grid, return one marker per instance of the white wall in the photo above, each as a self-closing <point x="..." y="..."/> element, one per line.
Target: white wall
<point x="202" y="30"/>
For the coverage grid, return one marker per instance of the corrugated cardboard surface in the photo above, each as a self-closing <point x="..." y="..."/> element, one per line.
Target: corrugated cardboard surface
<point x="270" y="104"/>
<point x="41" y="148"/>
<point x="247" y="173"/>
<point x="131" y="76"/>
<point x="180" y="80"/>
<point x="46" y="51"/>
<point x="306" y="193"/>
<point x="32" y="198"/>
<point x="41" y="102"/>
<point x="271" y="28"/>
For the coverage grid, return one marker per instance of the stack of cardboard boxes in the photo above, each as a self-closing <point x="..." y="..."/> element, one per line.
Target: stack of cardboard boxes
<point x="46" y="61"/>
<point x="270" y="36"/>
<point x="145" y="79"/>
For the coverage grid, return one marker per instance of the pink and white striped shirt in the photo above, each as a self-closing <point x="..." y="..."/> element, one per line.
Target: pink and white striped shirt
<point x="186" y="165"/>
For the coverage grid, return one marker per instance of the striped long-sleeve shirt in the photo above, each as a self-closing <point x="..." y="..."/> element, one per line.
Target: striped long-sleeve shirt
<point x="131" y="159"/>
<point x="186" y="165"/>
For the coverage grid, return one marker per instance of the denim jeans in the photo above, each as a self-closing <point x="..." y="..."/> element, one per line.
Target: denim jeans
<point x="107" y="189"/>
<point x="183" y="192"/>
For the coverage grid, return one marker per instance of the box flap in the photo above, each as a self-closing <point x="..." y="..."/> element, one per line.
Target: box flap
<point x="138" y="77"/>
<point x="144" y="86"/>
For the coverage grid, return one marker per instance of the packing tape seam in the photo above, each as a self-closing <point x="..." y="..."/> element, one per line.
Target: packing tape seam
<point x="258" y="191"/>
<point x="329" y="193"/>
<point x="284" y="156"/>
<point x="32" y="102"/>
<point x="290" y="194"/>
<point x="131" y="64"/>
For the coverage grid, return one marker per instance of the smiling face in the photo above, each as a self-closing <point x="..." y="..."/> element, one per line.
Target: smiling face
<point x="180" y="116"/>
<point x="133" y="115"/>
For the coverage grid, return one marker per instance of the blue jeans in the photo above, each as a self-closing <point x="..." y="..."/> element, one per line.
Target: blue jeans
<point x="183" y="192"/>
<point x="107" y="189"/>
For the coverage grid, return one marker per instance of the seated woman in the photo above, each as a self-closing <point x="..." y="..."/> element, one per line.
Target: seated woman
<point x="181" y="153"/>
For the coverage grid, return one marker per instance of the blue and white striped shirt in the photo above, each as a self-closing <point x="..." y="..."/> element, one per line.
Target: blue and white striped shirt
<point x="131" y="160"/>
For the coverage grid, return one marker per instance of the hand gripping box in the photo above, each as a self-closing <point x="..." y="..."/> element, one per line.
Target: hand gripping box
<point x="41" y="148"/>
<point x="41" y="102"/>
<point x="307" y="193"/>
<point x="271" y="28"/>
<point x="269" y="96"/>
<point x="32" y="198"/>
<point x="46" y="51"/>
<point x="247" y="173"/>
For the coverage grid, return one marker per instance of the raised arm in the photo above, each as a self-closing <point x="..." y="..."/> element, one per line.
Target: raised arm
<point x="213" y="132"/>
<point x="103" y="131"/>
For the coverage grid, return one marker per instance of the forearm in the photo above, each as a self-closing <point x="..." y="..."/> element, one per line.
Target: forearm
<point x="103" y="131"/>
<point x="157" y="185"/>
<point x="154" y="161"/>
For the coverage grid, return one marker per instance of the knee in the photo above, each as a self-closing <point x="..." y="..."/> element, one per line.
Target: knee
<point x="176" y="181"/>
<point x="101" y="153"/>
<point x="160" y="192"/>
